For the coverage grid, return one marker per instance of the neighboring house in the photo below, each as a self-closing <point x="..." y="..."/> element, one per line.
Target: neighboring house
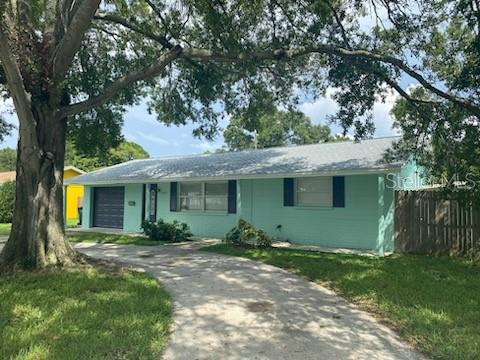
<point x="73" y="196"/>
<point x="331" y="194"/>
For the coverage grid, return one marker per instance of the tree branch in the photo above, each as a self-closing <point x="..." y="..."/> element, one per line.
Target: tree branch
<point x="69" y="44"/>
<point x="114" y="88"/>
<point x="11" y="71"/>
<point x="336" y="16"/>
<point x="274" y="55"/>
<point x="202" y="54"/>
<point x="21" y="98"/>
<point x="134" y="27"/>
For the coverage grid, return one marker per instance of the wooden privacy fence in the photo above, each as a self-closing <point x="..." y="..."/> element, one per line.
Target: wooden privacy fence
<point x="427" y="222"/>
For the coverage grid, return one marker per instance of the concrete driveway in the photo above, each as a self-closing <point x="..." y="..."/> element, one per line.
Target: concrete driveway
<point x="235" y="308"/>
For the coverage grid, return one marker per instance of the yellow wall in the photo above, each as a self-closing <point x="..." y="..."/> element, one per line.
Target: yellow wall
<point x="74" y="196"/>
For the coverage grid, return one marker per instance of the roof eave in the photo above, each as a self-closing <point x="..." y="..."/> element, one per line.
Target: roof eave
<point x="384" y="170"/>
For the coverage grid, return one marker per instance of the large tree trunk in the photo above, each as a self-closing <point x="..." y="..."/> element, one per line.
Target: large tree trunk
<point x="37" y="239"/>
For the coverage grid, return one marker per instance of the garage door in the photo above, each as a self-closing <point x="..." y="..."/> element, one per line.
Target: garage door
<point x="108" y="204"/>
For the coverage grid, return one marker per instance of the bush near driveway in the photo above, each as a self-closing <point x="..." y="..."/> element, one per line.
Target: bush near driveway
<point x="246" y="235"/>
<point x="83" y="314"/>
<point x="169" y="232"/>
<point x="433" y="302"/>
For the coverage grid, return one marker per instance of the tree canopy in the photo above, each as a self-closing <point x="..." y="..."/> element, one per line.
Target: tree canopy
<point x="125" y="151"/>
<point x="275" y="128"/>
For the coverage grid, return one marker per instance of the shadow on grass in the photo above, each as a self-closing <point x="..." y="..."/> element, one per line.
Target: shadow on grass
<point x="433" y="302"/>
<point x="84" y="314"/>
<point x="101" y="238"/>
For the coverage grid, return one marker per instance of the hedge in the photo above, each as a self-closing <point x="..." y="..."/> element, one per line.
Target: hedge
<point x="7" y="201"/>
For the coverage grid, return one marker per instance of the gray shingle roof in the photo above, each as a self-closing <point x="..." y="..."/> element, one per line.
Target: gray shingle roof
<point x="326" y="158"/>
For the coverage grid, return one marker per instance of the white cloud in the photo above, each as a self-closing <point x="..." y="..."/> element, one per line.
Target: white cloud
<point x="206" y="146"/>
<point x="381" y="115"/>
<point x="155" y="139"/>
<point x="320" y="109"/>
<point x="6" y="105"/>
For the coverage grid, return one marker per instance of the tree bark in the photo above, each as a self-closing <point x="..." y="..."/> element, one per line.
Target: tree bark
<point x="37" y="239"/>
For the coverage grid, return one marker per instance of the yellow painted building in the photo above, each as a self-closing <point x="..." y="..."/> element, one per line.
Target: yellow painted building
<point x="73" y="196"/>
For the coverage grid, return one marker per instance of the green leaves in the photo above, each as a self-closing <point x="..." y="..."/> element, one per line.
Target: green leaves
<point x="275" y="128"/>
<point x="125" y="151"/>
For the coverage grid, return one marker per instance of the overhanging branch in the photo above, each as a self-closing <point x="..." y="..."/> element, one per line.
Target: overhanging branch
<point x="134" y="27"/>
<point x="208" y="55"/>
<point x="14" y="79"/>
<point x="114" y="88"/>
<point x="273" y="55"/>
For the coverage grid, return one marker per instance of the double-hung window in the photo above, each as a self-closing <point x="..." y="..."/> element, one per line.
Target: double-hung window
<point x="314" y="191"/>
<point x="203" y="196"/>
<point x="191" y="196"/>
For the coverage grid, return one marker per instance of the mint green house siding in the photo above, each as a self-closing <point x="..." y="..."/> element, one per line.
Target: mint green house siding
<point x="132" y="219"/>
<point x="354" y="226"/>
<point x="366" y="221"/>
<point x="87" y="207"/>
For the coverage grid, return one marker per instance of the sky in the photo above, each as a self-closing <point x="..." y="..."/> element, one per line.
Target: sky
<point x="160" y="140"/>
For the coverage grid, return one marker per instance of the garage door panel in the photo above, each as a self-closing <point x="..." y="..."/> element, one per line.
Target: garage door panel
<point x="108" y="207"/>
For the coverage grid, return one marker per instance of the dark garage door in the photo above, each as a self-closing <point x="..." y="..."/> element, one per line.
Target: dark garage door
<point x="108" y="207"/>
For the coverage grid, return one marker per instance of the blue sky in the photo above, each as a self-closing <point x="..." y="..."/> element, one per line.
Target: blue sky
<point x="160" y="140"/>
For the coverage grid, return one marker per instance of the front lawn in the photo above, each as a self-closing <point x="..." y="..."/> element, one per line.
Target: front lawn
<point x="83" y="314"/>
<point x="433" y="302"/>
<point x="101" y="238"/>
<point x="5" y="229"/>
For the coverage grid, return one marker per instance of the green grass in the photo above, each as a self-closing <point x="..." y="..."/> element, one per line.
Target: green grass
<point x="83" y="314"/>
<point x="100" y="238"/>
<point x="433" y="302"/>
<point x="5" y="229"/>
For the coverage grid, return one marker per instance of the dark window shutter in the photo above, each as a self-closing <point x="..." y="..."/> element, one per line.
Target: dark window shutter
<point x="232" y="196"/>
<point x="288" y="192"/>
<point x="173" y="195"/>
<point x="338" y="183"/>
<point x="144" y="195"/>
<point x="153" y="202"/>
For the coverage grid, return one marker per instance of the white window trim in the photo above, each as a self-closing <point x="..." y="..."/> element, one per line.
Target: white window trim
<point x="297" y="204"/>
<point x="203" y="197"/>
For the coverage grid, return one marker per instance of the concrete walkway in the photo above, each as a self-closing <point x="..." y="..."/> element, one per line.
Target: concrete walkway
<point x="235" y="308"/>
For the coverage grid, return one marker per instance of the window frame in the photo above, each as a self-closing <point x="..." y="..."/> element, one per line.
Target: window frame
<point x="316" y="205"/>
<point x="203" y="196"/>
